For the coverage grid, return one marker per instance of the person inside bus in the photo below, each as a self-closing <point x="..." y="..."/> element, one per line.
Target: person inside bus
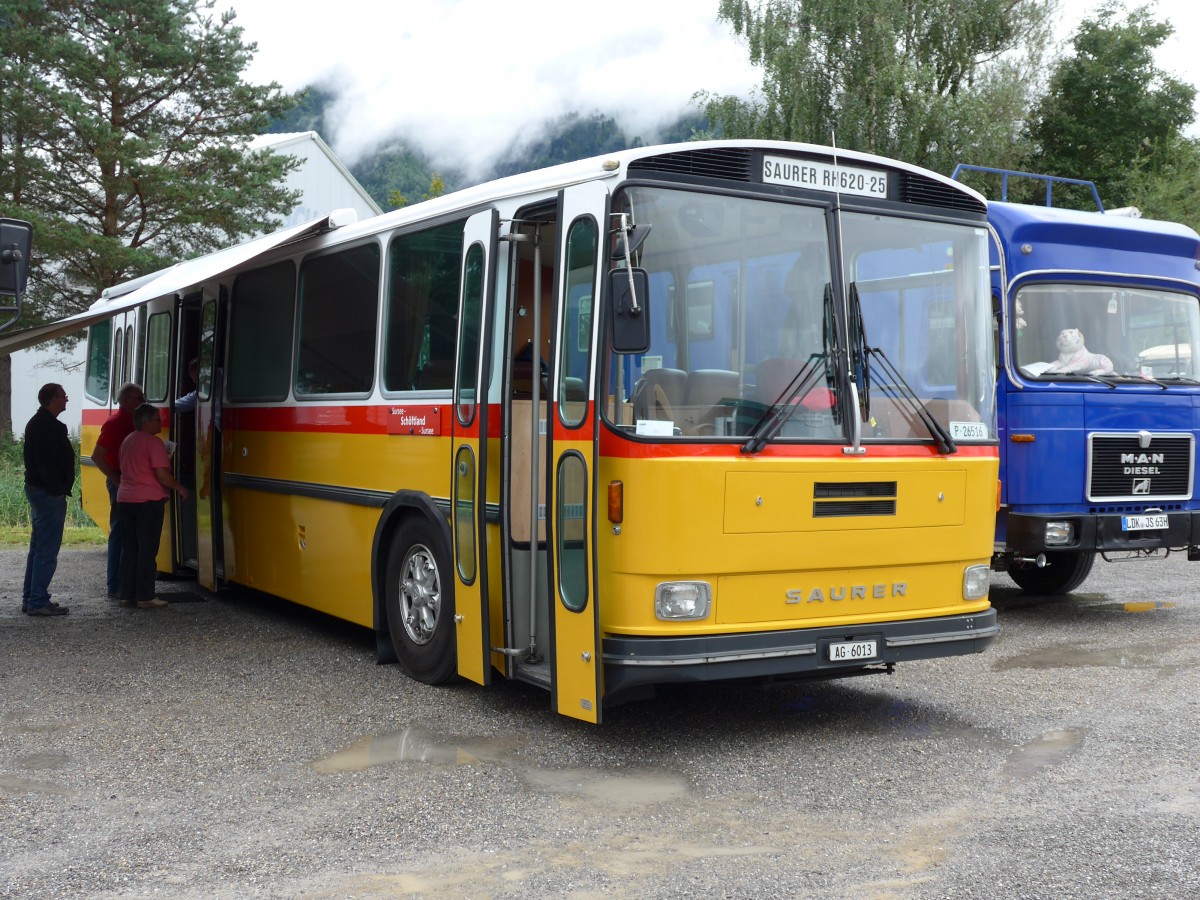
<point x="187" y="402"/>
<point x="146" y="482"/>
<point x="106" y="457"/>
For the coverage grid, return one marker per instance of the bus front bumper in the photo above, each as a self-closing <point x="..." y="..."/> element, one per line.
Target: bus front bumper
<point x="631" y="662"/>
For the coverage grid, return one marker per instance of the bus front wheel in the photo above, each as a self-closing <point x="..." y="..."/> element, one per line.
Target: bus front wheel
<point x="1064" y="571"/>
<point x="420" y="602"/>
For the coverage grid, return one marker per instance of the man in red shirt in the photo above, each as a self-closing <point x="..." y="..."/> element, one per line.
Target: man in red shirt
<point x="107" y="458"/>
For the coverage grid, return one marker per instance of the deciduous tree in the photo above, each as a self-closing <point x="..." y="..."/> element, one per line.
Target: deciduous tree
<point x="1109" y="114"/>
<point x="933" y="82"/>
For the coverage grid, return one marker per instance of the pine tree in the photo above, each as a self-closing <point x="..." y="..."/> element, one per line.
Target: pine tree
<point x="124" y="130"/>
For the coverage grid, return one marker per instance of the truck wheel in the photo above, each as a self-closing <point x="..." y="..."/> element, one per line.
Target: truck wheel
<point x="420" y="602"/>
<point x="1064" y="571"/>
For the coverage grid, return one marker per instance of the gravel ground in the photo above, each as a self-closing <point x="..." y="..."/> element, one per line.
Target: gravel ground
<point x="242" y="747"/>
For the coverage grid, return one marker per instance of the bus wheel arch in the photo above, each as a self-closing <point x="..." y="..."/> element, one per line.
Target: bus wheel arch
<point x="414" y="589"/>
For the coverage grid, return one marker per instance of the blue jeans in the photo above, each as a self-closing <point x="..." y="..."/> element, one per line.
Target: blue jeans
<point x="114" y="540"/>
<point x="49" y="515"/>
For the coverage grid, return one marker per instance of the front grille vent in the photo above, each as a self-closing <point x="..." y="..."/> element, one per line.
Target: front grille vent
<point x="924" y="190"/>
<point x="1121" y="468"/>
<point x="834" y="499"/>
<point x="726" y="163"/>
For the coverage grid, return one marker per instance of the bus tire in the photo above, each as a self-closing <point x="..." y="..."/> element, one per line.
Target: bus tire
<point x="420" y="602"/>
<point x="1064" y="571"/>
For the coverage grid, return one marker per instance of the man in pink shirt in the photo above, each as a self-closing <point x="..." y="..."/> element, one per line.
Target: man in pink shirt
<point x="146" y="482"/>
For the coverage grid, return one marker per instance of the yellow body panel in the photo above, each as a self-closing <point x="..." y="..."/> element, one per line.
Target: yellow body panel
<point x="318" y="551"/>
<point x="699" y="519"/>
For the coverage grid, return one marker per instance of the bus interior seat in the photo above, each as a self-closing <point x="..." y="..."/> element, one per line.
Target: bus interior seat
<point x="774" y="375"/>
<point x="658" y="394"/>
<point x="895" y="418"/>
<point x="522" y="374"/>
<point x="573" y="389"/>
<point x="706" y="388"/>
<point x="436" y="374"/>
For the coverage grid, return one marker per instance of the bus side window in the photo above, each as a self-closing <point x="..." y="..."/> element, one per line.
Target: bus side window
<point x="339" y="301"/>
<point x="422" y="303"/>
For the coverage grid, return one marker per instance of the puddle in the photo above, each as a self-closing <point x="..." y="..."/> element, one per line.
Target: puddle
<point x="638" y="789"/>
<point x="415" y="745"/>
<point x="1050" y="749"/>
<point x="41" y="762"/>
<point x="1065" y="656"/>
<point x="412" y="745"/>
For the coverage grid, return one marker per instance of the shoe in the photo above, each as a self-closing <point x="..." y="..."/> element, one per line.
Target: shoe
<point x="25" y="608"/>
<point x="127" y="604"/>
<point x="153" y="603"/>
<point x="52" y="610"/>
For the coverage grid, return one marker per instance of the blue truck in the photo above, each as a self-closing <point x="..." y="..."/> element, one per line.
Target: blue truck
<point x="1098" y="389"/>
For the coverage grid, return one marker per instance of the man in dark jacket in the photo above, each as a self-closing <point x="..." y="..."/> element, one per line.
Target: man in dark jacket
<point x="49" y="476"/>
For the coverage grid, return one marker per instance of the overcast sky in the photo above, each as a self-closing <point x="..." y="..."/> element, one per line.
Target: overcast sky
<point x="464" y="78"/>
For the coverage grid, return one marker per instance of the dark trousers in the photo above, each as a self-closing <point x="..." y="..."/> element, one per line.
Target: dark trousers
<point x="48" y="514"/>
<point x="141" y="529"/>
<point x="114" y="539"/>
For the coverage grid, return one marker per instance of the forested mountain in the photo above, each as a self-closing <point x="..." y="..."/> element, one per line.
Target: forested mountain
<point x="401" y="167"/>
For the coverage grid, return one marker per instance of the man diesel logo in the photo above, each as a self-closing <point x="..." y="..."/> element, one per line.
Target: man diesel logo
<point x="1142" y="463"/>
<point x="851" y="592"/>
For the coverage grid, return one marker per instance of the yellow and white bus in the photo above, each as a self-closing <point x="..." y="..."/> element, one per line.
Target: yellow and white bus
<point x="707" y="411"/>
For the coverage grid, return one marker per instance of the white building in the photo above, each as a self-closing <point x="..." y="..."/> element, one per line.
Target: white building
<point x="324" y="184"/>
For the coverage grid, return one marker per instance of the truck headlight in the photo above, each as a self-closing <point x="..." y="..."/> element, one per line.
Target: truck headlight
<point x="674" y="600"/>
<point x="1060" y="533"/>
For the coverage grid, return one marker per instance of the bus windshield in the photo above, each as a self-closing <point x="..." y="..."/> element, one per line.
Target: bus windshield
<point x="745" y="317"/>
<point x="1093" y="331"/>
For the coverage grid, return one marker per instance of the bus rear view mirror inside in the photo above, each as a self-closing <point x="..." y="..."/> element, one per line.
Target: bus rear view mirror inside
<point x="629" y="296"/>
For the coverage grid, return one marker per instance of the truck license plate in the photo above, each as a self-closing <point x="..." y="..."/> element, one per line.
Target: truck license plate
<point x="1143" y="523"/>
<point x="852" y="650"/>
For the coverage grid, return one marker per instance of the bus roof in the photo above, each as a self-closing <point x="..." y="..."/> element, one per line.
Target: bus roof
<point x="725" y="159"/>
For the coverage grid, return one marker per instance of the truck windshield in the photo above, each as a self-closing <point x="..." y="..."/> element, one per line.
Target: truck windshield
<point x="742" y="298"/>
<point x="1081" y="331"/>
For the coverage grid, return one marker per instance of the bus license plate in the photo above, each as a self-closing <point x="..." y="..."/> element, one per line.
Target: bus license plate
<point x="852" y="650"/>
<point x="1143" y="523"/>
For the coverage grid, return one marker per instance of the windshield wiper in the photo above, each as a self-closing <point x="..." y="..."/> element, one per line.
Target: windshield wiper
<point x="781" y="410"/>
<point x="1182" y="379"/>
<point x="1053" y="376"/>
<point x="936" y="430"/>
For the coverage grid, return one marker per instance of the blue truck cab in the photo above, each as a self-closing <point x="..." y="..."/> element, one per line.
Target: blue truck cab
<point x="1098" y="390"/>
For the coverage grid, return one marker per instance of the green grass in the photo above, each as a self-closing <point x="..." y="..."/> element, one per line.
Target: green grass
<point x="89" y="535"/>
<point x="14" y="508"/>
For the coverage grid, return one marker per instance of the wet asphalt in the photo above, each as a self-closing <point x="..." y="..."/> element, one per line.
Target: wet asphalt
<point x="237" y="746"/>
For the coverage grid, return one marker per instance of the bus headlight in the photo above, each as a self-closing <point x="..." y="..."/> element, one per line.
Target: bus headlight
<point x="976" y="580"/>
<point x="1059" y="533"/>
<point x="674" y="600"/>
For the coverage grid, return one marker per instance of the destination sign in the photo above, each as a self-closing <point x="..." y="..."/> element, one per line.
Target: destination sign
<point x="819" y="176"/>
<point x="415" y="420"/>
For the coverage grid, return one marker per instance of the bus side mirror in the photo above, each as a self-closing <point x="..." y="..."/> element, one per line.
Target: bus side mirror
<point x="16" y="239"/>
<point x="629" y="304"/>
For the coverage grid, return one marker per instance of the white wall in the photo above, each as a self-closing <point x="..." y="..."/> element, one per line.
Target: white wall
<point x="38" y="365"/>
